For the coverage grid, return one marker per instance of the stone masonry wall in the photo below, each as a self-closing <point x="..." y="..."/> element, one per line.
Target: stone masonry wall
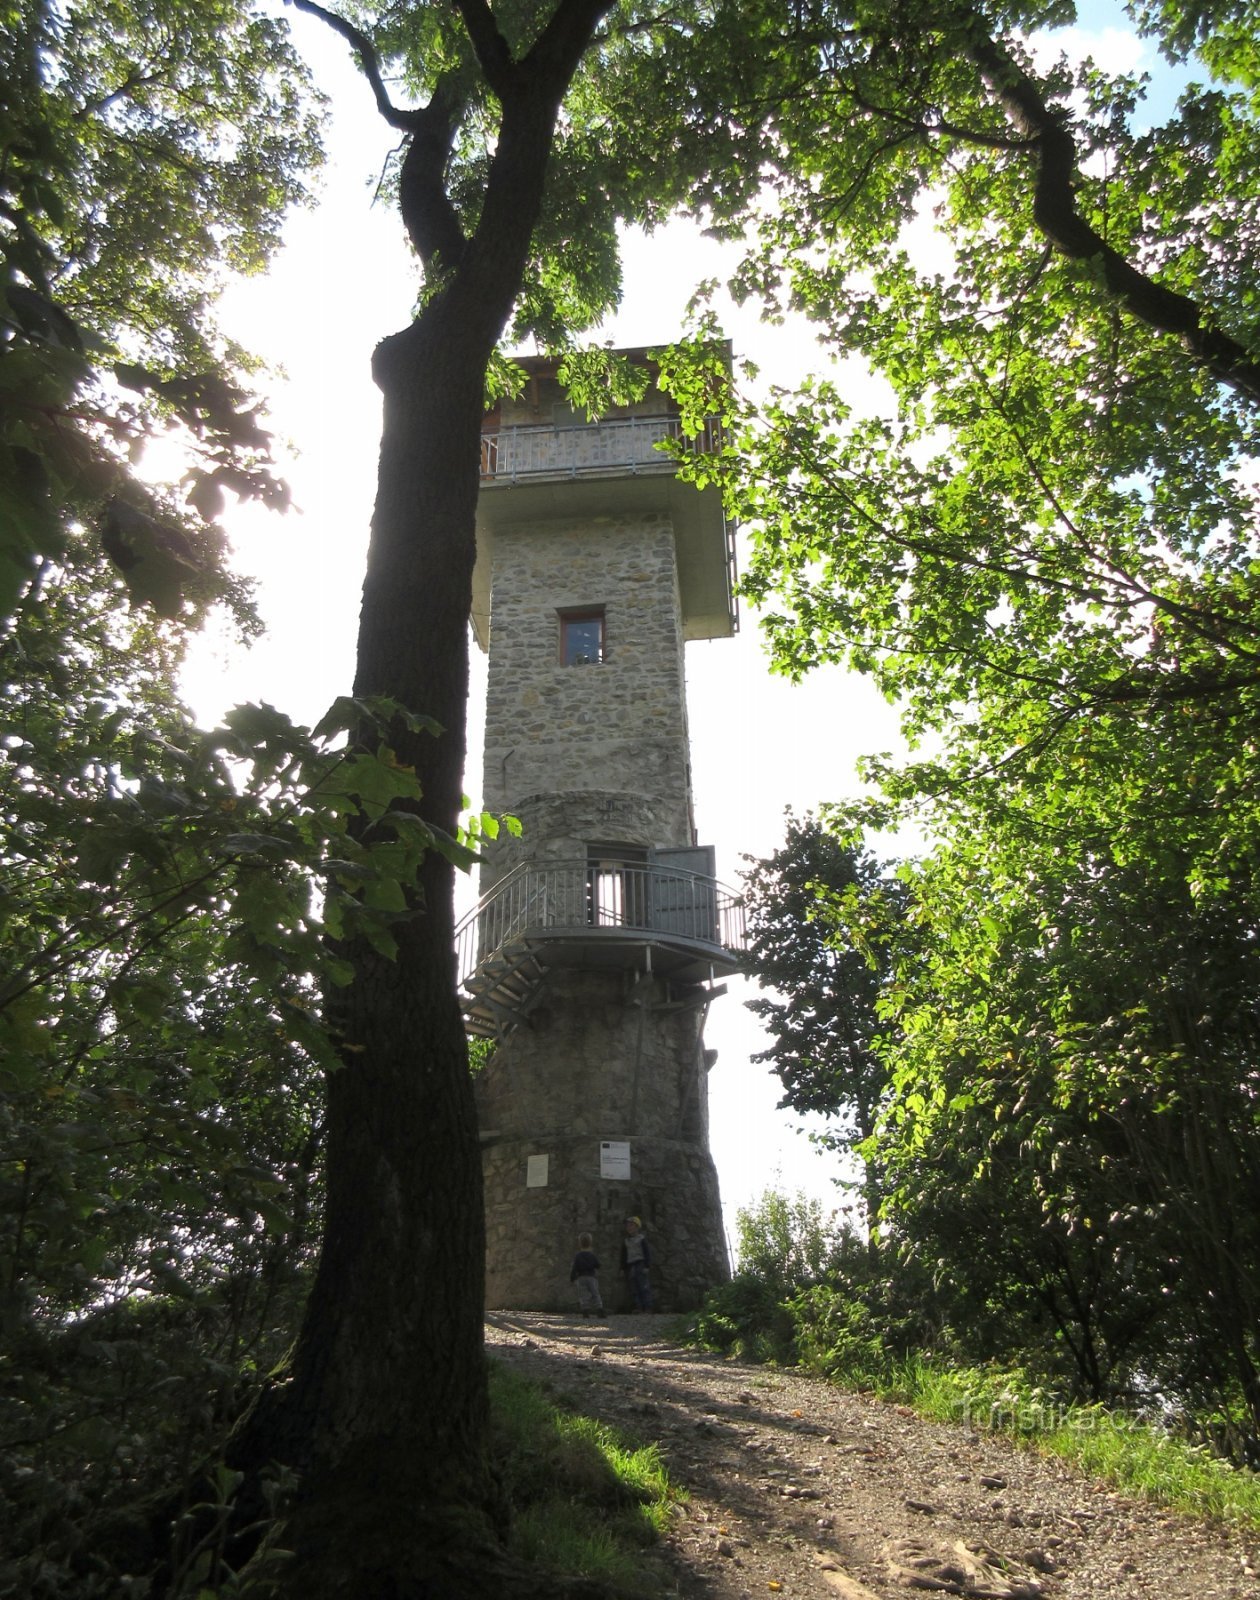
<point x="602" y="1059"/>
<point x="558" y="827"/>
<point x="593" y="754"/>
<point x="618" y="726"/>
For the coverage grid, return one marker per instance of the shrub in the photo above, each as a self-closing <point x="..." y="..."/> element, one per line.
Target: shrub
<point x="788" y="1242"/>
<point x="811" y="1291"/>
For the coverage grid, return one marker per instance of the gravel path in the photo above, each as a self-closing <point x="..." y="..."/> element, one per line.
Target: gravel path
<point x="800" y="1489"/>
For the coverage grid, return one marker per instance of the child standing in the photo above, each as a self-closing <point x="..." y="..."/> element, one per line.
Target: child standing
<point x="585" y="1273"/>
<point x="636" y="1258"/>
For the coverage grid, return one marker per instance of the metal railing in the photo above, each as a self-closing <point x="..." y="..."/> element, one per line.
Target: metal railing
<point x="625" y="444"/>
<point x="660" y="901"/>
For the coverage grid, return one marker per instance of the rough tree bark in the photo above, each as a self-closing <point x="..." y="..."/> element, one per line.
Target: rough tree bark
<point x="384" y="1414"/>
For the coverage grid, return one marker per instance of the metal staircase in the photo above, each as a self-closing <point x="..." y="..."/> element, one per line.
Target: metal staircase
<point x="502" y="990"/>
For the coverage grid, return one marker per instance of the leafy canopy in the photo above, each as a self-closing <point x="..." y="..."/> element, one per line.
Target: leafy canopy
<point x="147" y="148"/>
<point x="1036" y="531"/>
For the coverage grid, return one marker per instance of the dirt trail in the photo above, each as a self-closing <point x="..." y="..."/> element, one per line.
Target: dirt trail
<point x="803" y="1490"/>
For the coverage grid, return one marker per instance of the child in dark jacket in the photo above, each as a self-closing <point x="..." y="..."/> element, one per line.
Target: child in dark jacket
<point x="585" y="1273"/>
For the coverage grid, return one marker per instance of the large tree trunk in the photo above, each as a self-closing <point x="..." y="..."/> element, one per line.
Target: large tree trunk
<point x="400" y="1277"/>
<point x="385" y="1413"/>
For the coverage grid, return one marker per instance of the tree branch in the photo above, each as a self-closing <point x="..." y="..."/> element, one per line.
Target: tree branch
<point x="428" y="215"/>
<point x="933" y="124"/>
<point x="494" y="55"/>
<point x="1055" y="214"/>
<point x="531" y="95"/>
<point x="396" y="116"/>
<point x="837" y="205"/>
<point x="431" y="220"/>
<point x="133" y="81"/>
<point x="559" y="47"/>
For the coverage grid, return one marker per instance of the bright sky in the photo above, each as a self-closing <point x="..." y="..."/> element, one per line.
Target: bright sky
<point x="759" y="745"/>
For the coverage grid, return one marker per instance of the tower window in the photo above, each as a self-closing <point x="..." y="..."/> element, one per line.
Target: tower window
<point x="582" y="637"/>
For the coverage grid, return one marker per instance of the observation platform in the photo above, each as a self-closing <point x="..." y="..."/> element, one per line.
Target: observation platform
<point x="539" y="473"/>
<point x="655" y="920"/>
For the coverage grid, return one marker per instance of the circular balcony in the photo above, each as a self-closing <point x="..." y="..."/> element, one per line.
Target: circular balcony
<point x="630" y="917"/>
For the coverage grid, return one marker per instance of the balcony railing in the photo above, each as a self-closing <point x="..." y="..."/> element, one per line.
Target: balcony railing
<point x="586" y="902"/>
<point x="627" y="444"/>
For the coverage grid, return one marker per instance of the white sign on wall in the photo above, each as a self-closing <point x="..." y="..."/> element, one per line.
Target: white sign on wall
<point x="536" y="1172"/>
<point x="614" y="1159"/>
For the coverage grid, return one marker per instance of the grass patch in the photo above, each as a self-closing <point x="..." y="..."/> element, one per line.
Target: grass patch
<point x="586" y="1499"/>
<point x="1122" y="1449"/>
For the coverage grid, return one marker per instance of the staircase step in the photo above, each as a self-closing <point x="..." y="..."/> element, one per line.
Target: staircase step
<point x="500" y="990"/>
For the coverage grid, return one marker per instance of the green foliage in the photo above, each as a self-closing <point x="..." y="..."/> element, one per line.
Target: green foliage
<point x="125" y="826"/>
<point x="598" y="379"/>
<point x="696" y="373"/>
<point x="127" y="1406"/>
<point x="837" y="1334"/>
<point x="1067" y="1143"/>
<point x="809" y="1291"/>
<point x="1076" y="1102"/>
<point x="1036" y="532"/>
<point x="748" y="1319"/>
<point x="1049" y="519"/>
<point x="166" y="891"/>
<point x="480" y="1052"/>
<point x="124" y="128"/>
<point x="786" y="1244"/>
<point x="169" y="897"/>
<point x="787" y="1241"/>
<point x="596" y="177"/>
<point x="822" y="916"/>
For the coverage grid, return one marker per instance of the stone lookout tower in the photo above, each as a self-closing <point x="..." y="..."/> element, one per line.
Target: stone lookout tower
<point x="602" y="933"/>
